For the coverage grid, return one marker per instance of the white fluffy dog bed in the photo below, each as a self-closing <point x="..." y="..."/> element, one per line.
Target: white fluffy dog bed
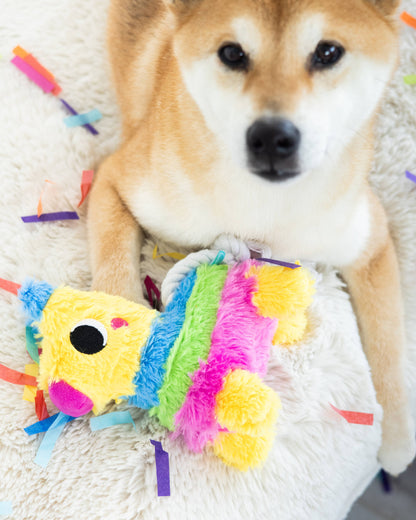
<point x="319" y="464"/>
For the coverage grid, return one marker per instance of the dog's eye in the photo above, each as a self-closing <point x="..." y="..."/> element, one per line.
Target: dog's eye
<point x="88" y="336"/>
<point x="233" y="56"/>
<point x="326" y="54"/>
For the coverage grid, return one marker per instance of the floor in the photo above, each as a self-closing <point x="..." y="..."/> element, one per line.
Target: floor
<point x="398" y="504"/>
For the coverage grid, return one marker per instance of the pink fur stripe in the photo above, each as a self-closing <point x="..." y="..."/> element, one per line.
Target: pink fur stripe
<point x="241" y="339"/>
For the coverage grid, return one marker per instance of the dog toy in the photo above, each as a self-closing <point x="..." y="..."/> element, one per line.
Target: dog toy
<point x="197" y="366"/>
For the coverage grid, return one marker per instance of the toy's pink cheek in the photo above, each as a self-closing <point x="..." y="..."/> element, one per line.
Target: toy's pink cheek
<point x="116" y="323"/>
<point x="69" y="400"/>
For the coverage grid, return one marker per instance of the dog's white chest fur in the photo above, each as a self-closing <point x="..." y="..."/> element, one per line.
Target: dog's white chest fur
<point x="298" y="220"/>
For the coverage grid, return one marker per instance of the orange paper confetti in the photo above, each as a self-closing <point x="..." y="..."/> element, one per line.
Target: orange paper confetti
<point x="15" y="377"/>
<point x="408" y="19"/>
<point x="40" y="207"/>
<point x="40" y="406"/>
<point x="355" y="417"/>
<point x="9" y="286"/>
<point x="19" y="51"/>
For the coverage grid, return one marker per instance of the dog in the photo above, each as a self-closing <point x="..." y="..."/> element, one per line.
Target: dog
<point x="255" y="118"/>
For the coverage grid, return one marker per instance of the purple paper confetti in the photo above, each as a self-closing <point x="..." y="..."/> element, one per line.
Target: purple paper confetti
<point x="279" y="262"/>
<point x="410" y="176"/>
<point x="162" y="470"/>
<point x="48" y="217"/>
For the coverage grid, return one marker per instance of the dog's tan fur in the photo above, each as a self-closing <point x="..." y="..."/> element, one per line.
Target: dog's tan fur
<point x="174" y="176"/>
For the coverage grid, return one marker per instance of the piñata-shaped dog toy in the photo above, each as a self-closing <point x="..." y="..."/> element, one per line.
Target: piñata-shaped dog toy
<point x="198" y="366"/>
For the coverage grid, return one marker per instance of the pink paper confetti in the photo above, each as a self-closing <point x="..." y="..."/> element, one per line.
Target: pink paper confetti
<point x="33" y="75"/>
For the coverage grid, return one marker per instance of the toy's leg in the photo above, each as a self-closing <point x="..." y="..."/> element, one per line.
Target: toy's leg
<point x="248" y="409"/>
<point x="243" y="451"/>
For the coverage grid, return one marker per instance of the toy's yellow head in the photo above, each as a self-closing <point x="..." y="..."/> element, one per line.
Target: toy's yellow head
<point x="91" y="344"/>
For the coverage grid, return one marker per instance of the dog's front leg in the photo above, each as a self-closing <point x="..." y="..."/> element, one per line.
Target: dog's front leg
<point x="115" y="238"/>
<point x="374" y="285"/>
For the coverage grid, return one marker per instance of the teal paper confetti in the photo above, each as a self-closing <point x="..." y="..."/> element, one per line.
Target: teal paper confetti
<point x="31" y="344"/>
<point x="111" y="419"/>
<point x="6" y="508"/>
<point x="219" y="258"/>
<point x="83" y="119"/>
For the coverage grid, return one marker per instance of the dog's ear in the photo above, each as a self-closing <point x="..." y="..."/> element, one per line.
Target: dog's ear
<point x="387" y="7"/>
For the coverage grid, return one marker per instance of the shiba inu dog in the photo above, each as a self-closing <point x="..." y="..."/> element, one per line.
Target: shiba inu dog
<point x="254" y="118"/>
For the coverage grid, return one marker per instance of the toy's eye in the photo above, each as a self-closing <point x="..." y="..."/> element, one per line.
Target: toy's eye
<point x="326" y="54"/>
<point x="233" y="56"/>
<point x="88" y="336"/>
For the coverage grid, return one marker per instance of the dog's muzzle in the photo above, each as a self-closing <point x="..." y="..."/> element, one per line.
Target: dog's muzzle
<point x="273" y="146"/>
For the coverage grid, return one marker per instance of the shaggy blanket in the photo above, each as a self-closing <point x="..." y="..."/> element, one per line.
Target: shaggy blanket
<point x="319" y="463"/>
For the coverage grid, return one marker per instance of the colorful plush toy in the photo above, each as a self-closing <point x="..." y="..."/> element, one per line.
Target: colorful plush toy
<point x="198" y="366"/>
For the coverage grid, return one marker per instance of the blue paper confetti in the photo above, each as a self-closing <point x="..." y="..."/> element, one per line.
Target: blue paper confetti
<point x="6" y="508"/>
<point x="43" y="426"/>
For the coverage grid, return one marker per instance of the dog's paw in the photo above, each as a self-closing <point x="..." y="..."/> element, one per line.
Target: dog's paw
<point x="397" y="450"/>
<point x="123" y="283"/>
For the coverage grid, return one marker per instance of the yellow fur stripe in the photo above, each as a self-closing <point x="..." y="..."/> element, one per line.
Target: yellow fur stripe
<point x="285" y="294"/>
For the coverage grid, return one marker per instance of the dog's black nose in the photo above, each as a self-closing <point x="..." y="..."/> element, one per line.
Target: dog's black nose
<point x="273" y="138"/>
<point x="272" y="146"/>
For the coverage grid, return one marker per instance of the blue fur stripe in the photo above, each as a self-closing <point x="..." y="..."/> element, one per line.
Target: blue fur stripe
<point x="165" y="330"/>
<point x="34" y="296"/>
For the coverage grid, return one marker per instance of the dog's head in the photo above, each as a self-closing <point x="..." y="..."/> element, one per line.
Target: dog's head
<point x="285" y="84"/>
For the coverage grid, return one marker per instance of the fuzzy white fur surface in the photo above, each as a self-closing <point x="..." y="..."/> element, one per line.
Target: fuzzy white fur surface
<point x="319" y="463"/>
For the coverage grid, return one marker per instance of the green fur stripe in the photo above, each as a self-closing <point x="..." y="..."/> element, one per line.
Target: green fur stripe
<point x="193" y="342"/>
